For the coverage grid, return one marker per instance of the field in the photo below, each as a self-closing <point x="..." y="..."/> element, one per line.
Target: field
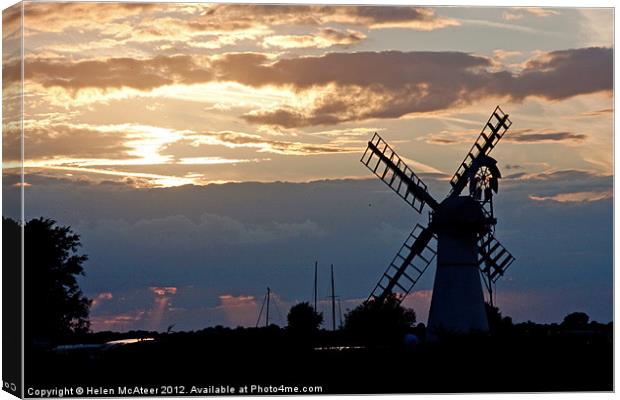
<point x="525" y="358"/>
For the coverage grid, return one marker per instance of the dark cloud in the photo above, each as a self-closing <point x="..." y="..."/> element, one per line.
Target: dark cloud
<point x="235" y="239"/>
<point x="388" y="69"/>
<point x="141" y="74"/>
<point x="513" y="166"/>
<point x="532" y="136"/>
<point x="58" y="141"/>
<point x="393" y="84"/>
<point x="11" y="23"/>
<point x="352" y="86"/>
<point x="565" y="73"/>
<point x="369" y="16"/>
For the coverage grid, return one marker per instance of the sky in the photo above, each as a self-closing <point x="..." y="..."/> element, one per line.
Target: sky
<point x="206" y="151"/>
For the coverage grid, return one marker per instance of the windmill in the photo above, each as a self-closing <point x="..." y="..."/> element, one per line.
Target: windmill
<point x="460" y="233"/>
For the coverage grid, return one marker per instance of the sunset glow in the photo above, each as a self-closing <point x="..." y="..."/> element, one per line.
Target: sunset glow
<point x="206" y="151"/>
<point x="204" y="85"/>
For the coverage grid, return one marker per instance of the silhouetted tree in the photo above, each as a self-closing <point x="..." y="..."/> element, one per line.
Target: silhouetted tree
<point x="54" y="304"/>
<point x="576" y="320"/>
<point x="380" y="321"/>
<point x="497" y="322"/>
<point x="303" y="318"/>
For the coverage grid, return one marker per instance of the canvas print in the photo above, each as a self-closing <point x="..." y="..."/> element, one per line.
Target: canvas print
<point x="207" y="199"/>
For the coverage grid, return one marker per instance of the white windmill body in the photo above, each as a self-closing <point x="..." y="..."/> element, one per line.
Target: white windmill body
<point x="457" y="304"/>
<point x="463" y="227"/>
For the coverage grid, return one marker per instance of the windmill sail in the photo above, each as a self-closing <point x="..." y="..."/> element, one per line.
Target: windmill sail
<point x="493" y="131"/>
<point x="408" y="265"/>
<point x="381" y="159"/>
<point x="494" y="258"/>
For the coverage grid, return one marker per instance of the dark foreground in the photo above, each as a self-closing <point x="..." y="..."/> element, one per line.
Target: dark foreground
<point x="531" y="358"/>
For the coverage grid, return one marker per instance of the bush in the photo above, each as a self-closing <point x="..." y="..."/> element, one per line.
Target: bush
<point x="380" y="322"/>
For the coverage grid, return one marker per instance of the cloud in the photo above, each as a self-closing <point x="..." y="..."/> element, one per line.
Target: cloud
<point x="521" y="136"/>
<point x="575" y="197"/>
<point x="504" y="54"/>
<point x="163" y="291"/>
<point x="239" y="310"/>
<point x="166" y="26"/>
<point x="11" y="26"/>
<point x="365" y="85"/>
<point x="565" y="73"/>
<point x="116" y="73"/>
<point x="541" y="12"/>
<point x="373" y="17"/>
<point x="565" y="175"/>
<point x="387" y="69"/>
<point x="326" y="37"/>
<point x="511" y="16"/>
<point x="57" y="17"/>
<point x="237" y="249"/>
<point x="445" y="138"/>
<point x="67" y="141"/>
<point x="342" y="87"/>
<point x="597" y="113"/>
<point x="100" y="298"/>
<point x="161" y="305"/>
<point x="513" y="166"/>
<point x="518" y="13"/>
<point x="535" y="136"/>
<point x="208" y="231"/>
<point x="234" y="139"/>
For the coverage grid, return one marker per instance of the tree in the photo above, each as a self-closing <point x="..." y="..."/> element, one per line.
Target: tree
<point x="54" y="304"/>
<point x="380" y="321"/>
<point x="576" y="320"/>
<point x="303" y="318"/>
<point x="497" y="322"/>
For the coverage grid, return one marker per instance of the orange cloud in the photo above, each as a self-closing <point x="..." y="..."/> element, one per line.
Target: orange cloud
<point x="207" y="26"/>
<point x="518" y="13"/>
<point x="239" y="310"/>
<point x="100" y="298"/>
<point x="326" y="37"/>
<point x="240" y="139"/>
<point x="368" y="85"/>
<point x="57" y="17"/>
<point x="575" y="197"/>
<point x="164" y="291"/>
<point x="141" y="74"/>
<point x="373" y="17"/>
<point x="161" y="306"/>
<point x="544" y="135"/>
<point x="525" y="136"/>
<point x="116" y="322"/>
<point x="49" y="140"/>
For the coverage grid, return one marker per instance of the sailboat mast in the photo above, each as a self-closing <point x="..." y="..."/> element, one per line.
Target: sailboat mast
<point x="267" y="314"/>
<point x="316" y="265"/>
<point x="333" y="301"/>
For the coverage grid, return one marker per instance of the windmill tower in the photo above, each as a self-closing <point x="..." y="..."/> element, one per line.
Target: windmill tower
<point x="460" y="233"/>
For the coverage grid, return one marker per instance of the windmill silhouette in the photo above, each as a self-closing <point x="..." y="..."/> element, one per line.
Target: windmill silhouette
<point x="462" y="226"/>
